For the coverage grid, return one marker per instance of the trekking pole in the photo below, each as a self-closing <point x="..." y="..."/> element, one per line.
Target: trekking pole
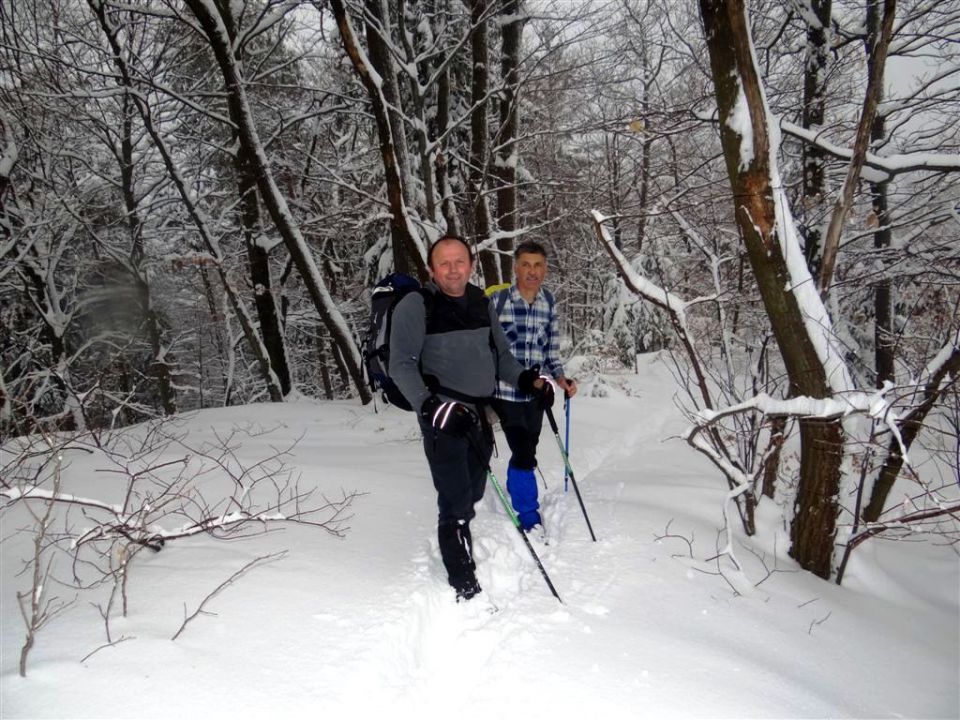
<point x="566" y="407"/>
<point x="566" y="462"/>
<point x="516" y="523"/>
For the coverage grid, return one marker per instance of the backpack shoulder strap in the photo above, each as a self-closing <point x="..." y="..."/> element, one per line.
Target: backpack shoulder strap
<point x="428" y="299"/>
<point x="502" y="297"/>
<point x="550" y="299"/>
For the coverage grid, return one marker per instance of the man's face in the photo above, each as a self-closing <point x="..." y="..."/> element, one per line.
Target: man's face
<point x="531" y="269"/>
<point x="450" y="267"/>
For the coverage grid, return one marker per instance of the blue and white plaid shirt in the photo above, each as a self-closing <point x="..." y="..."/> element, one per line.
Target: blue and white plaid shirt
<point x="533" y="334"/>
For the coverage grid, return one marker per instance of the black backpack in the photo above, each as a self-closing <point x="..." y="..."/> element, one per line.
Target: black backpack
<point x="376" y="347"/>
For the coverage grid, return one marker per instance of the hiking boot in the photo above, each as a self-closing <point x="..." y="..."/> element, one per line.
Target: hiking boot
<point x="456" y="550"/>
<point x="530" y="520"/>
<point x="467" y="589"/>
<point x="537" y="533"/>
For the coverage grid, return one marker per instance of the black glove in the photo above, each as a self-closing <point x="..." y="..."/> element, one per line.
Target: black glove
<point x="526" y="378"/>
<point x="453" y="418"/>
<point x="546" y="393"/>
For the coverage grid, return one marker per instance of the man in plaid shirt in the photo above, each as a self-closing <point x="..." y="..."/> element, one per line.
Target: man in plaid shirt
<point x="528" y="316"/>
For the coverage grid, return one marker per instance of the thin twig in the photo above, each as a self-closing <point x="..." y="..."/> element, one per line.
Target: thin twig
<point x="818" y="622"/>
<point x="119" y="640"/>
<point x="224" y="584"/>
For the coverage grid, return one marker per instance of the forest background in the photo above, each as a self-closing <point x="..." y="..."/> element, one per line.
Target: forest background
<point x="197" y="197"/>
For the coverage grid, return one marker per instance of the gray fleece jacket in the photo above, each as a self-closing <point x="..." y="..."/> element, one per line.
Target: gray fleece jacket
<point x="460" y="344"/>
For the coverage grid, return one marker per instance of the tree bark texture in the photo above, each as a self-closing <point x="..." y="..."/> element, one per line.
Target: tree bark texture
<point x="419" y="99"/>
<point x="258" y="261"/>
<point x="393" y="144"/>
<point x="448" y="208"/>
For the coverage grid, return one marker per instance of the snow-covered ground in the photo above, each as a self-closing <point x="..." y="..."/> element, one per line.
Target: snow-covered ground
<point x="367" y="624"/>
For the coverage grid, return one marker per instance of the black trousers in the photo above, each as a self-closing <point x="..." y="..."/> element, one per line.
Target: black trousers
<point x="459" y="470"/>
<point x="521" y="423"/>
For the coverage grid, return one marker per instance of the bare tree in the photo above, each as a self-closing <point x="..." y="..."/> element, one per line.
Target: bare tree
<point x="38" y="605"/>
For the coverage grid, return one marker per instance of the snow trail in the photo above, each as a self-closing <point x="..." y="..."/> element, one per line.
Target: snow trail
<point x="366" y="624"/>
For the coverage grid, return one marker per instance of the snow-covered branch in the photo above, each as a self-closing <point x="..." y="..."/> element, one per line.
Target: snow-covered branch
<point x="162" y="498"/>
<point x="881" y="166"/>
<point x="910" y="521"/>
<point x="636" y="282"/>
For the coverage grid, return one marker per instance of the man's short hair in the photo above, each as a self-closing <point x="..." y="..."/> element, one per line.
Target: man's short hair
<point x="448" y="237"/>
<point x="529" y="246"/>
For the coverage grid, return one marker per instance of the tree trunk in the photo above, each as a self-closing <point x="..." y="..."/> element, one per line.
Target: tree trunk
<point x="814" y="99"/>
<point x="425" y="153"/>
<point x="814" y="526"/>
<point x="884" y="344"/>
<point x="878" y="42"/>
<point x="378" y="36"/>
<point x="479" y="140"/>
<point x="507" y="153"/>
<point x="258" y="260"/>
<point x="910" y="427"/>
<point x="778" y="426"/>
<point x="448" y="208"/>
<point x="737" y="82"/>
<point x="324" y="369"/>
<point x="611" y="148"/>
<point x="883" y="331"/>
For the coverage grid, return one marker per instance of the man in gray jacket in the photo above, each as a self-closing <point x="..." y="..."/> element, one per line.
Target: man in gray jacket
<point x="447" y="351"/>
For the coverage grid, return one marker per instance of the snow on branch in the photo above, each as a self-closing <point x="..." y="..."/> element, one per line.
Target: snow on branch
<point x="636" y="282"/>
<point x="886" y="166"/>
<point x="269" y="16"/>
<point x="943" y="360"/>
<point x="916" y="520"/>
<point x="10" y="152"/>
<point x="874" y="405"/>
<point x="142" y="487"/>
<point x="36" y="493"/>
<point x="164" y="498"/>
<point x="816" y="318"/>
<point x="883" y="167"/>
